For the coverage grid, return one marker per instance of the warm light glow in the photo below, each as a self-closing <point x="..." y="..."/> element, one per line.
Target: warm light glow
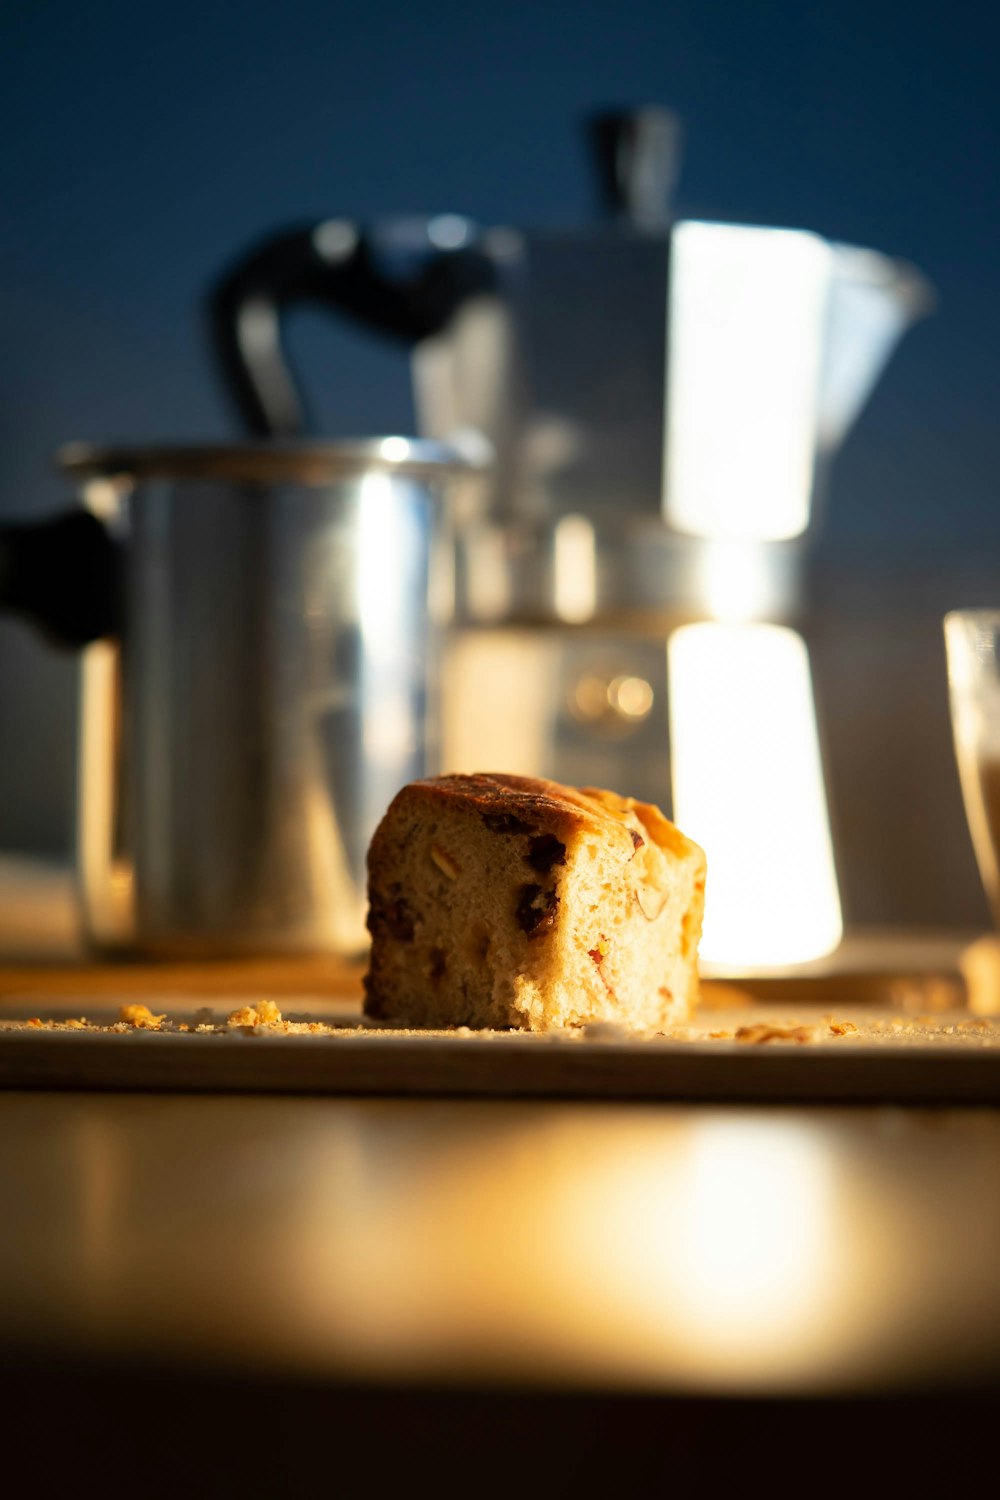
<point x="631" y="696"/>
<point x="753" y="1248"/>
<point x="748" y="786"/>
<point x="733" y="1251"/>
<point x="624" y="700"/>
<point x="107" y="877"/>
<point x="575" y="567"/>
<point x="702" y="1251"/>
<point x="747" y="329"/>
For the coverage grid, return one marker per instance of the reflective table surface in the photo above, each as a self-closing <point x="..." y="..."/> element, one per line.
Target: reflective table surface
<point x="601" y="1247"/>
<point x="272" y="1296"/>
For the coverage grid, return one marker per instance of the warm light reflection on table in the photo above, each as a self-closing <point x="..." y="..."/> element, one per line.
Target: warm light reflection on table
<point x="648" y="1248"/>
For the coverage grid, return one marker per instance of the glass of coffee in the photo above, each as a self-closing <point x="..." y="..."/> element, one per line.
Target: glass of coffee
<point x="972" y="641"/>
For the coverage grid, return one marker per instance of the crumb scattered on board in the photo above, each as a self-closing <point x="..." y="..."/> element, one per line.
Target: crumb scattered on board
<point x="763" y="1031"/>
<point x="262" y="1016"/>
<point x="776" y="1024"/>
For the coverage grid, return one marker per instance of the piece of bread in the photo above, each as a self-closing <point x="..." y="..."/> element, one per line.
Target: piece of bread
<point x="504" y="901"/>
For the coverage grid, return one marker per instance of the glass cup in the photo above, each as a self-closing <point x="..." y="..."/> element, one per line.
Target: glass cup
<point x="972" y="642"/>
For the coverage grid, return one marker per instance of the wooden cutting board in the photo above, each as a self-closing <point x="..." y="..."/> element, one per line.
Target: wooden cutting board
<point x="778" y="1052"/>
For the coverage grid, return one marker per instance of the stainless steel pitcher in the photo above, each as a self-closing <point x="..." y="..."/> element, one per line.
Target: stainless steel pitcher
<point x="259" y="677"/>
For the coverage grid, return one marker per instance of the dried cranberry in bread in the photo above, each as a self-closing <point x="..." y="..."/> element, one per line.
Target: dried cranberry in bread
<point x="505" y="901"/>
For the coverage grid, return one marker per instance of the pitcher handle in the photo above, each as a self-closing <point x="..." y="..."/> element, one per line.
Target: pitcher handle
<point x="63" y="573"/>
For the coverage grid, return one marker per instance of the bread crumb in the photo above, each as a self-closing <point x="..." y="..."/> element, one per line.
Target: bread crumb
<point x="761" y="1032"/>
<point x="842" y="1028"/>
<point x="263" y="1013"/>
<point x="141" y="1017"/>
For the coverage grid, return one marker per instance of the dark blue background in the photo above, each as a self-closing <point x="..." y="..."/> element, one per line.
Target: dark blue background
<point x="142" y="145"/>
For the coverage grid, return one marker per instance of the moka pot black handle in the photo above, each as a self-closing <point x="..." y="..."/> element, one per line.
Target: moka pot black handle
<point x="396" y="279"/>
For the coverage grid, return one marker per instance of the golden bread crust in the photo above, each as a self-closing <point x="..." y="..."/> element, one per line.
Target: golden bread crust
<point x="530" y="799"/>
